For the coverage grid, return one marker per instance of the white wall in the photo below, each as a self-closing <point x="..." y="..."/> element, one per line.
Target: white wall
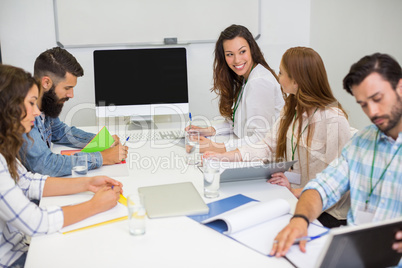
<point x="343" y="31"/>
<point x="27" y="29"/>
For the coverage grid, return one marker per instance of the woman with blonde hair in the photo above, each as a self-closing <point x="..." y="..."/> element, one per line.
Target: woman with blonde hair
<point x="250" y="96"/>
<point x="312" y="128"/>
<point x="21" y="218"/>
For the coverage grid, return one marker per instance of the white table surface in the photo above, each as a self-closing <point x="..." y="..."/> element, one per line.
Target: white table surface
<point x="168" y="242"/>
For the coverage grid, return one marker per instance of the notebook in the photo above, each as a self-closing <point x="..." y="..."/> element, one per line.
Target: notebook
<point x="168" y="200"/>
<point x="368" y="245"/>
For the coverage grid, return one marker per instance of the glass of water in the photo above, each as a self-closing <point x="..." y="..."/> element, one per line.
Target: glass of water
<point x="212" y="178"/>
<point x="192" y="146"/>
<point x="136" y="214"/>
<point x="79" y="165"/>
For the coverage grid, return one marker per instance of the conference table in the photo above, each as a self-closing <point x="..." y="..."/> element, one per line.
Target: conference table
<point x="168" y="242"/>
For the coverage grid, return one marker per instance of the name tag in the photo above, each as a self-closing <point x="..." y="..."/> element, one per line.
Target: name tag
<point x="364" y="216"/>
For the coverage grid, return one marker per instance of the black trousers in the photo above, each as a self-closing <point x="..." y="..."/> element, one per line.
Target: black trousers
<point x="329" y="221"/>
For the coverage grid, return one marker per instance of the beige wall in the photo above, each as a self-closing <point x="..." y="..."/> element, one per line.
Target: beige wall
<point x="343" y="31"/>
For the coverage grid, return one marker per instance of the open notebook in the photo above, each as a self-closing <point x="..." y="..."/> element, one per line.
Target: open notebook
<point x="256" y="224"/>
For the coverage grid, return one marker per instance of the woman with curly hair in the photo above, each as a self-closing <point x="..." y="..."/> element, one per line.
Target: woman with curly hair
<point x="19" y="217"/>
<point x="250" y="97"/>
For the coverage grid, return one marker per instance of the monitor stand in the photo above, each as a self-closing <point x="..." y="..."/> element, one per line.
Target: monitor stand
<point x="141" y="122"/>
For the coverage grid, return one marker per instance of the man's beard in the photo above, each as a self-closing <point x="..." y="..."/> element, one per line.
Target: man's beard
<point x="393" y="118"/>
<point x="51" y="104"/>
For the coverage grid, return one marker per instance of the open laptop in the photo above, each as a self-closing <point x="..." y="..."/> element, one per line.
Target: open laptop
<point x="253" y="172"/>
<point x="368" y="245"/>
<point x="177" y="199"/>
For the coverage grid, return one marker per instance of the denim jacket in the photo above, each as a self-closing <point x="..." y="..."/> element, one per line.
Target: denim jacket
<point x="38" y="157"/>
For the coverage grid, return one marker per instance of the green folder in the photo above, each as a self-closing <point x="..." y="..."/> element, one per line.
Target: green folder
<point x="103" y="140"/>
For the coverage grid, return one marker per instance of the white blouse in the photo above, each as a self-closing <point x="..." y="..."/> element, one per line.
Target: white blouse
<point x="257" y="110"/>
<point x="331" y="132"/>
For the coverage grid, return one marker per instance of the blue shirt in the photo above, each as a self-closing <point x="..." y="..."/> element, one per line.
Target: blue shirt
<point x="37" y="155"/>
<point x="352" y="172"/>
<point x="19" y="217"/>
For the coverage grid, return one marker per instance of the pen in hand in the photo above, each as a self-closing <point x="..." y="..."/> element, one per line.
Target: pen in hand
<point x="306" y="238"/>
<point x="124" y="144"/>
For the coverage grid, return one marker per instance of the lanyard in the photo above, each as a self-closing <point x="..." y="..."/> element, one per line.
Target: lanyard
<point x="372" y="168"/>
<point x="293" y="133"/>
<point x="239" y="98"/>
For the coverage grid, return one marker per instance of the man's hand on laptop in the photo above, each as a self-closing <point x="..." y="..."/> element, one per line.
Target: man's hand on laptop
<point x="398" y="244"/>
<point x="115" y="154"/>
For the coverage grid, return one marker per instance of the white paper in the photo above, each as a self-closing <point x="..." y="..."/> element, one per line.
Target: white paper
<point x="118" y="211"/>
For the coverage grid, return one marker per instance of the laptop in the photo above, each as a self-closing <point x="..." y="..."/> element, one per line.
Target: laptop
<point x="368" y="245"/>
<point x="177" y="199"/>
<point x="253" y="172"/>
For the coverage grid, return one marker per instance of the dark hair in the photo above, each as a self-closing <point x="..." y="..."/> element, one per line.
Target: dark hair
<point x="227" y="83"/>
<point x="383" y="64"/>
<point x="14" y="86"/>
<point x="55" y="63"/>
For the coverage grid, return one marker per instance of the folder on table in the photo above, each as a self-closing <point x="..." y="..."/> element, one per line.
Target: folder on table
<point x="102" y="141"/>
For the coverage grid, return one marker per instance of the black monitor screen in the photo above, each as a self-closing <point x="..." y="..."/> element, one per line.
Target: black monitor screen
<point x="140" y="76"/>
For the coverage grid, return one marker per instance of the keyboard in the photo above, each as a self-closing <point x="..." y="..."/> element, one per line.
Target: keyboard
<point x="153" y="135"/>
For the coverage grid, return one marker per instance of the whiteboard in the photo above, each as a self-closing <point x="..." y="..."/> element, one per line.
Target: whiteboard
<point x="87" y="23"/>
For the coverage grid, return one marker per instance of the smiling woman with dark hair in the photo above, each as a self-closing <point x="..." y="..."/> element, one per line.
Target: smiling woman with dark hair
<point x="250" y="97"/>
<point x="19" y="217"/>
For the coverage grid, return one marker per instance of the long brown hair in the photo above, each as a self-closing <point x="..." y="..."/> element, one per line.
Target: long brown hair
<point x="227" y="84"/>
<point x="306" y="67"/>
<point x="14" y="86"/>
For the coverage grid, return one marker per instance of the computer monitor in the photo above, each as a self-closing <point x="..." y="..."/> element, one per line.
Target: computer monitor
<point x="141" y="83"/>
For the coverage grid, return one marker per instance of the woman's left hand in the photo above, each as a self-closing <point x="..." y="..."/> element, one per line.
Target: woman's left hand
<point x="98" y="182"/>
<point x="279" y="178"/>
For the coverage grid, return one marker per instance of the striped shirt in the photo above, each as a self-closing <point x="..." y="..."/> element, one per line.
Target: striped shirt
<point x="18" y="216"/>
<point x="352" y="171"/>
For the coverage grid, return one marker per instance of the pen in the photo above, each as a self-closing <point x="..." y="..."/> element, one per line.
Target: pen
<point x="305" y="238"/>
<point x="124" y="144"/>
<point x="191" y="119"/>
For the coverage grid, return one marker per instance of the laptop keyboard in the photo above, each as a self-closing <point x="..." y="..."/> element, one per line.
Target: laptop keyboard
<point x="154" y="135"/>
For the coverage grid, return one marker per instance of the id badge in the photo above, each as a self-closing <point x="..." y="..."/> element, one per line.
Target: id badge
<point x="364" y="215"/>
<point x="293" y="177"/>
